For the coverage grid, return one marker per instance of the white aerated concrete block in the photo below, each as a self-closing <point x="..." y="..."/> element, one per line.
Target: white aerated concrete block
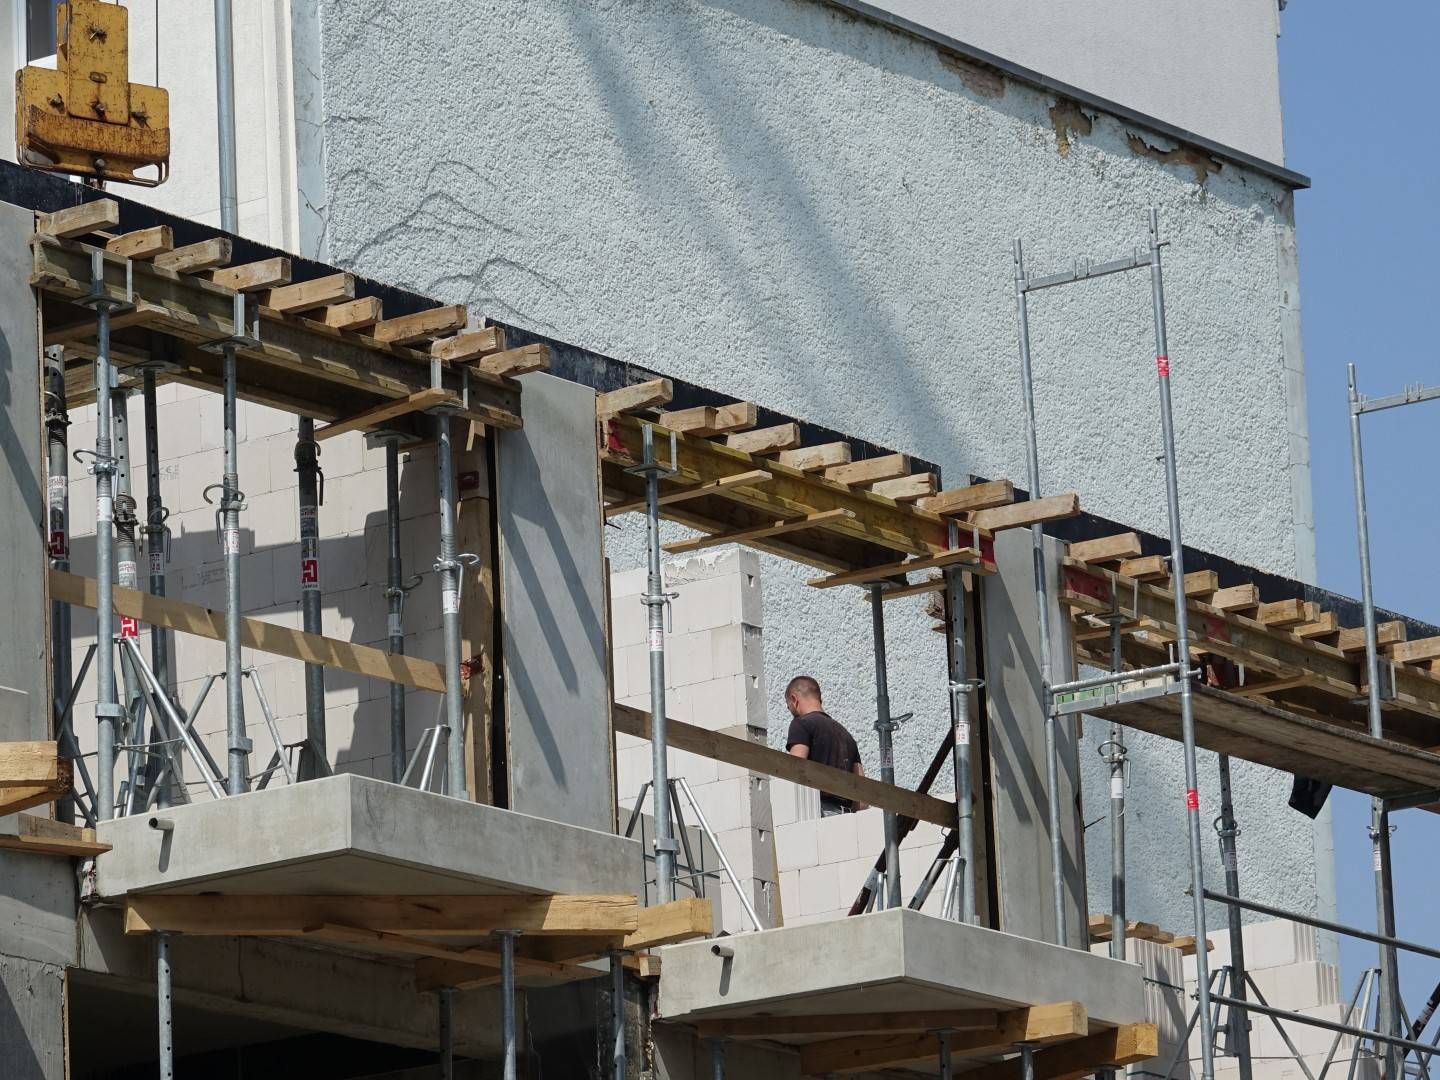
<point x="797" y="845"/>
<point x="819" y="890"/>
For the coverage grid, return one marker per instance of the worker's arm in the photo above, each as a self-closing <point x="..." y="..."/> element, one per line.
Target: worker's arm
<point x="800" y="750"/>
<point x="859" y="770"/>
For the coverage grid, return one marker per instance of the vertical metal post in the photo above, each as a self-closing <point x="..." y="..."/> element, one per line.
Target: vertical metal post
<point x="313" y="755"/>
<point x="127" y="576"/>
<point x="164" y="1000"/>
<point x="961" y="689"/>
<point x="885" y="733"/>
<point x="1027" y="1062"/>
<point x="57" y="530"/>
<point x="1387" y="1011"/>
<point x="617" y="1011"/>
<point x="395" y="599"/>
<point x="655" y="601"/>
<point x="1238" y="1020"/>
<point x="1042" y="606"/>
<point x="225" y="115"/>
<point x="1116" y="760"/>
<point x="230" y="503"/>
<point x="507" y="1000"/>
<point x="107" y="710"/>
<point x="445" y="1001"/>
<point x="448" y="567"/>
<point x="946" y="1072"/>
<point x="1182" y="649"/>
<point x="717" y="1059"/>
<point x="157" y="551"/>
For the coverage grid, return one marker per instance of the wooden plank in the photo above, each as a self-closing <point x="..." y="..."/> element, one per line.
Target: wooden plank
<point x="254" y="634"/>
<point x="421" y="325"/>
<point x="761" y="759"/>
<point x="660" y="924"/>
<point x="1270" y="686"/>
<point x="307" y="295"/>
<point x="193" y="258"/>
<point x="357" y="314"/>
<point x="970" y="557"/>
<point x="1018" y="515"/>
<point x="469" y="344"/>
<point x="1106" y="549"/>
<point x="1283" y="613"/>
<point x="248" y="277"/>
<point x="1145" y="568"/>
<point x="933" y="584"/>
<point x="245" y="915"/>
<point x="712" y="487"/>
<point x="79" y="220"/>
<point x="767" y="440"/>
<point x="705" y="421"/>
<point x="741" y="536"/>
<point x="44" y="836"/>
<point x="13" y="799"/>
<point x="1236" y="598"/>
<point x="769" y="1027"/>
<point x="645" y="395"/>
<point x="33" y="764"/>
<point x="513" y="362"/>
<point x="869" y="470"/>
<point x="374" y="417"/>
<point x="810" y="459"/>
<point x="986" y="496"/>
<point x="1201" y="583"/>
<point x="1352" y="638"/>
<point x="907" y="489"/>
<point x="1414" y="652"/>
<point x="1037" y="1024"/>
<point x="1123" y="1045"/>
<point x="1325" y="625"/>
<point x="142" y="243"/>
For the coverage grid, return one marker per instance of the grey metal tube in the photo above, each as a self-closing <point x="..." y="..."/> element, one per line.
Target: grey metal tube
<point x="57" y="530"/>
<point x="182" y="728"/>
<point x="961" y="690"/>
<point x="1116" y="760"/>
<point x="238" y="744"/>
<point x="127" y="576"/>
<point x="157" y="544"/>
<point x="507" y="1001"/>
<point x="1238" y="1022"/>
<point x="1182" y="651"/>
<point x="107" y="710"/>
<point x="885" y="735"/>
<point x="617" y="1011"/>
<point x="1396" y="1043"/>
<point x="1323" y="924"/>
<point x="654" y="601"/>
<point x="395" y="598"/>
<point x="448" y="567"/>
<point x="946" y="1072"/>
<point x="166" y="1006"/>
<point x="717" y="1059"/>
<point x="314" y="755"/>
<point x="1027" y="1062"/>
<point x="725" y="864"/>
<point x="445" y="1021"/>
<point x="1042" y="607"/>
<point x="225" y="115"/>
<point x="1111" y="678"/>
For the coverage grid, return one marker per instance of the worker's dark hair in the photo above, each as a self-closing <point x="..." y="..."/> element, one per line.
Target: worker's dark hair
<point x="803" y="686"/>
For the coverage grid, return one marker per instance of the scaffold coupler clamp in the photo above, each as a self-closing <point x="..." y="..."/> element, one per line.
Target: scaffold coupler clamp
<point x="231" y="498"/>
<point x="99" y="298"/>
<point x="98" y="463"/>
<point x="158" y="537"/>
<point x="307" y="456"/>
<point x="649" y="465"/>
<point x="245" y="329"/>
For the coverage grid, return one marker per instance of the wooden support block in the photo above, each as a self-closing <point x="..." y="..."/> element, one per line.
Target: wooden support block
<point x="745" y="536"/>
<point x="869" y="470"/>
<point x="513" y="362"/>
<point x="1071" y="1060"/>
<point x="1236" y="598"/>
<point x="967" y="556"/>
<point x="421" y="325"/>
<point x="72" y="221"/>
<point x="645" y="395"/>
<point x="1106" y="549"/>
<point x="265" y="274"/>
<point x="935" y="584"/>
<point x="43" y="836"/>
<point x="1145" y="568"/>
<point x="1201" y="583"/>
<point x="984" y="496"/>
<point x="814" y="458"/>
<point x="769" y="440"/>
<point x="470" y="344"/>
<point x="246" y="915"/>
<point x="1284" y="613"/>
<point x="708" y="420"/>
<point x="355" y="314"/>
<point x="644" y="966"/>
<point x="31" y="773"/>
<point x="374" y="417"/>
<point x="143" y="243"/>
<point x="1414" y="652"/>
<point x="770" y="1027"/>
<point x="193" y="258"/>
<point x="307" y="295"/>
<point x="1019" y="515"/>
<point x="1352" y="638"/>
<point x="1270" y="686"/>
<point x="1326" y="624"/>
<point x="714" y="487"/>
<point x="1186" y="944"/>
<point x="907" y="489"/>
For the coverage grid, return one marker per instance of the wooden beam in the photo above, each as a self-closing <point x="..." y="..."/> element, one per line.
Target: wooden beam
<point x="1069" y="1061"/>
<point x="767" y="440"/>
<point x="307" y="295"/>
<point x="265" y="274"/>
<point x="869" y="470"/>
<point x="1106" y="549"/>
<point x="1016" y="515"/>
<point x="766" y="1027"/>
<point x="422" y="325"/>
<point x="1413" y="652"/>
<point x="470" y="344"/>
<point x="969" y="556"/>
<point x="1145" y="568"/>
<point x="14" y="799"/>
<point x="986" y="496"/>
<point x="33" y="764"/>
<point x="193" y="258"/>
<point x="80" y="220"/>
<point x="1201" y="583"/>
<point x="933" y="584"/>
<point x="374" y="417"/>
<point x="761" y="759"/>
<point x="741" y="536"/>
<point x="255" y="634"/>
<point x="142" y="243"/>
<point x="44" y="836"/>
<point x="1325" y="625"/>
<point x="712" y="487"/>
<point x="645" y="395"/>
<point x="513" y="362"/>
<point x="1283" y="613"/>
<point x="1237" y="598"/>
<point x="355" y="314"/>
<point x="907" y="489"/>
<point x="1352" y="638"/>
<point x="705" y="421"/>
<point x="810" y="459"/>
<point x="246" y="915"/>
<point x="1270" y="686"/>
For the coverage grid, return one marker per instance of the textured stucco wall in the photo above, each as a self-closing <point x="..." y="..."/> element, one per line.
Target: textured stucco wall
<point x="800" y="208"/>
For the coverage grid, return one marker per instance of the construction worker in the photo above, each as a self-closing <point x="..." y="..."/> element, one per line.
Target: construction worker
<point x="816" y="735"/>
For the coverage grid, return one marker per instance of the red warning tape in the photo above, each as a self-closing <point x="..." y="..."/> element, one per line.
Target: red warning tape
<point x="1162" y="365"/>
<point x="1192" y="799"/>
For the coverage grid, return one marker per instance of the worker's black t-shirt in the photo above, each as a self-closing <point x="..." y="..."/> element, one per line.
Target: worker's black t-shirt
<point x="829" y="743"/>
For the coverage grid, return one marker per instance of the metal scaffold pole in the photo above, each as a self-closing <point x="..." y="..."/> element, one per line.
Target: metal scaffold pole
<point x="1238" y="1021"/>
<point x="157" y="551"/>
<point x="1042" y="605"/>
<point x="617" y="1012"/>
<point x="717" y="1059"/>
<point x="127" y="576"/>
<point x="507" y="1001"/>
<point x="311" y="493"/>
<point x="395" y="589"/>
<point x="165" y="1001"/>
<point x="962" y="689"/>
<point x="885" y="735"/>
<point x="232" y="501"/>
<point x="445" y="1021"/>
<point x="1115" y="754"/>
<point x="57" y="531"/>
<point x="448" y="567"/>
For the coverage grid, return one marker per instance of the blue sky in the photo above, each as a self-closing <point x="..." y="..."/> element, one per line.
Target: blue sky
<point x="1359" y="120"/>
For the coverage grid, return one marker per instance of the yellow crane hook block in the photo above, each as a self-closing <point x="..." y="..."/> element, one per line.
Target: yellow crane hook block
<point x="85" y="116"/>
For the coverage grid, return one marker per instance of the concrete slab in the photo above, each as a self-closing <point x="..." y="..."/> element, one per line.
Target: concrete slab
<point x="916" y="960"/>
<point x="351" y="835"/>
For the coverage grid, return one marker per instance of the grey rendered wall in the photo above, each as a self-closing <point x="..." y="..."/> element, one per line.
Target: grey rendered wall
<point x="800" y="208"/>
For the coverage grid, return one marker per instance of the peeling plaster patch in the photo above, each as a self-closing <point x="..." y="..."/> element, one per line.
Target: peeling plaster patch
<point x="1203" y="164"/>
<point x="981" y="79"/>
<point x="1068" y="119"/>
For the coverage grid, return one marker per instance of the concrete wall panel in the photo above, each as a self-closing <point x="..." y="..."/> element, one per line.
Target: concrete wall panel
<point x="32" y="1020"/>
